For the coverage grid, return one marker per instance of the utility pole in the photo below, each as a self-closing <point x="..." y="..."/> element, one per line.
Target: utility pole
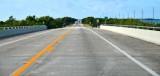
<point x="128" y="14"/>
<point x="153" y="12"/>
<point x="134" y="14"/>
<point x="119" y="15"/>
<point x="142" y="13"/>
<point x="123" y="15"/>
<point x="115" y="16"/>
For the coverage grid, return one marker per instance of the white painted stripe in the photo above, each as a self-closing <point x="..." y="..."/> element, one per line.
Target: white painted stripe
<point x="26" y="37"/>
<point x="127" y="55"/>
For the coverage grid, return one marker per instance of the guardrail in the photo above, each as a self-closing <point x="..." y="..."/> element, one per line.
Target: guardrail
<point x="147" y="35"/>
<point x="11" y="31"/>
<point x="1" y="28"/>
<point x="20" y="27"/>
<point x="137" y="27"/>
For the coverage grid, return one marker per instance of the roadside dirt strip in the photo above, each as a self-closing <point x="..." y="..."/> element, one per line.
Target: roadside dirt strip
<point x="48" y="48"/>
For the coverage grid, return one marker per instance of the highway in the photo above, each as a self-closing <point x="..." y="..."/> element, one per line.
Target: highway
<point x="82" y="52"/>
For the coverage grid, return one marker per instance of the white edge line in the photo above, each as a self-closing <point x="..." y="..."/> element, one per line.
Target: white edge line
<point x="127" y="55"/>
<point x="3" y="44"/>
<point x="22" y="39"/>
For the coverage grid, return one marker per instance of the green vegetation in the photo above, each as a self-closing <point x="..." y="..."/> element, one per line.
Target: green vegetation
<point x="93" y="21"/>
<point x="33" y="20"/>
<point x="87" y="25"/>
<point x="50" y="22"/>
<point x="136" y="22"/>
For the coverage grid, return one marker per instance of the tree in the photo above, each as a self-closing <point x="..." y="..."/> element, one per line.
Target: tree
<point x="88" y="20"/>
<point x="57" y="23"/>
<point x="31" y="20"/>
<point x="22" y="23"/>
<point x="11" y="21"/>
<point x="1" y="23"/>
<point x="93" y="21"/>
<point x="68" y="20"/>
<point x="46" y="20"/>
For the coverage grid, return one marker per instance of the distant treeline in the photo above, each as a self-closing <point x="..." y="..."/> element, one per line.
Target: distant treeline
<point x="62" y="22"/>
<point x="33" y="20"/>
<point x="136" y="22"/>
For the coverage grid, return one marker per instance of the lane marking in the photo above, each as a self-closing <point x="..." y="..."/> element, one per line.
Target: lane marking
<point x="127" y="55"/>
<point x="3" y="44"/>
<point x="48" y="48"/>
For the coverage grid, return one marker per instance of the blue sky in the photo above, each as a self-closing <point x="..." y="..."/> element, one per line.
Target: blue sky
<point x="78" y="8"/>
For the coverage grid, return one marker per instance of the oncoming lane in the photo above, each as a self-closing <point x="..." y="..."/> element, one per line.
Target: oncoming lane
<point x="14" y="55"/>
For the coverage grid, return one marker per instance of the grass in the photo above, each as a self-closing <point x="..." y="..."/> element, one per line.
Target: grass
<point x="87" y="25"/>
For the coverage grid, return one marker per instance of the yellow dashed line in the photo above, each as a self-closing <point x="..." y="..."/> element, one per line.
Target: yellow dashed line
<point x="49" y="48"/>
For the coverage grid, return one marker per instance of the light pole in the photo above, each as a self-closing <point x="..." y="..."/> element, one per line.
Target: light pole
<point x="142" y="13"/>
<point x="123" y="15"/>
<point x="128" y="14"/>
<point x="134" y="14"/>
<point x="153" y="12"/>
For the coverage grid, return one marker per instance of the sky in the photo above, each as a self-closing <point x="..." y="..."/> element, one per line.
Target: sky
<point x="79" y="8"/>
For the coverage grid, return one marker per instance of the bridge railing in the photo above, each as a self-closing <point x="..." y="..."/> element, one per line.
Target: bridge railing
<point x="11" y="31"/>
<point x="137" y="27"/>
<point x="20" y="27"/>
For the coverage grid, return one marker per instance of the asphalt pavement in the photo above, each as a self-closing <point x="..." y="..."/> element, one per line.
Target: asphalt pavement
<point x="83" y="52"/>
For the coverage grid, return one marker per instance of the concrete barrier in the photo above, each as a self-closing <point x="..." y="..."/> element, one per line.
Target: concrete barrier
<point x="147" y="35"/>
<point x="10" y="31"/>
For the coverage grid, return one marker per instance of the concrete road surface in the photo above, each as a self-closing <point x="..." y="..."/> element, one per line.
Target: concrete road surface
<point x="83" y="52"/>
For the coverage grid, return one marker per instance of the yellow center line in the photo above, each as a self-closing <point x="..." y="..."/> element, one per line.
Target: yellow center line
<point x="49" y="48"/>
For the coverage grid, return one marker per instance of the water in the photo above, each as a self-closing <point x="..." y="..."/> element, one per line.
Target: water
<point x="156" y="21"/>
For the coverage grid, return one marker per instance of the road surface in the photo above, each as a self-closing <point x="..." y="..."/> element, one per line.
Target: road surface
<point x="83" y="52"/>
